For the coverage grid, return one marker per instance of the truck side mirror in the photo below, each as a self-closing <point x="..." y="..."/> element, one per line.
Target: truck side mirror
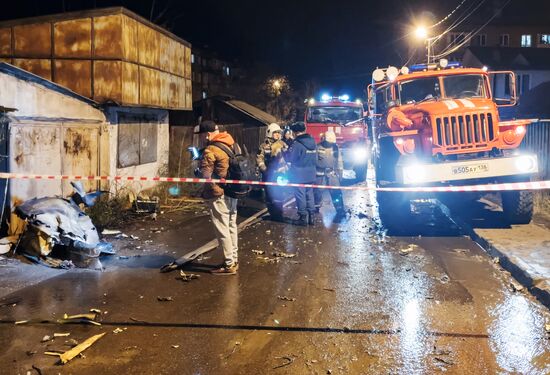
<point x="503" y="84"/>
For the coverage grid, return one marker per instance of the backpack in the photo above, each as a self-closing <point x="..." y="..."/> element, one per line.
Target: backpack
<point x="239" y="169"/>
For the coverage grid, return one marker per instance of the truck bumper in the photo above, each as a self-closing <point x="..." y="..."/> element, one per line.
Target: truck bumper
<point x="415" y="174"/>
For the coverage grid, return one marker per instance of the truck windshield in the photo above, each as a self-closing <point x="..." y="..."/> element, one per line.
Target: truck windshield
<point x="337" y="115"/>
<point x="464" y="86"/>
<point x="418" y="90"/>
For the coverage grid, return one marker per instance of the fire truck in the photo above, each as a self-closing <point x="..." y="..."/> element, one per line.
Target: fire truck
<point x="346" y="119"/>
<point x="438" y="125"/>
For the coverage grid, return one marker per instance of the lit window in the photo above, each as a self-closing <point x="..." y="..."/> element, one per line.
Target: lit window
<point x="504" y="40"/>
<point x="544" y="39"/>
<point x="192" y="58"/>
<point x="526" y="40"/>
<point x="204" y="94"/>
<point x="227" y="71"/>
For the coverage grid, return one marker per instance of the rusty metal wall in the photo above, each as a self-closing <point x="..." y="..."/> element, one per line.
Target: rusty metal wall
<point x="117" y="57"/>
<point x="52" y="148"/>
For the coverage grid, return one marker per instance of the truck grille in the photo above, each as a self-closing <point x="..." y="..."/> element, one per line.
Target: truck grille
<point x="460" y="132"/>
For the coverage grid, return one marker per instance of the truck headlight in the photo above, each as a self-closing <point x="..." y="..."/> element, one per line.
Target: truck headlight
<point x="414" y="173"/>
<point x="526" y="163"/>
<point x="360" y="154"/>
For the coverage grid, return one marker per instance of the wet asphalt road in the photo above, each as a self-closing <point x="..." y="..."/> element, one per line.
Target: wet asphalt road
<point x="351" y="301"/>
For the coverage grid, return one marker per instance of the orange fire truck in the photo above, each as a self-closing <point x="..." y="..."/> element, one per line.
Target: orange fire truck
<point x="438" y="124"/>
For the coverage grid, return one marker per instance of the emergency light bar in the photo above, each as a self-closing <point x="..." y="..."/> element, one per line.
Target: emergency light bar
<point x="433" y="66"/>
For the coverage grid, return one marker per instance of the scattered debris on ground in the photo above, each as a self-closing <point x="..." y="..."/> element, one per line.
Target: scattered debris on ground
<point x="516" y="287"/>
<point x="407" y="250"/>
<point x="87" y="318"/>
<point x="118" y="330"/>
<point x="165" y="299"/>
<point x="258" y="252"/>
<point x="268" y="259"/>
<point x="72" y="353"/>
<point x="285" y="298"/>
<point x="280" y="254"/>
<point x="287" y="361"/>
<point x="187" y="276"/>
<point x="109" y="232"/>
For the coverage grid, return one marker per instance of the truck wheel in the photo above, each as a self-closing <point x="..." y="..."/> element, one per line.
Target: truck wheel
<point x="518" y="206"/>
<point x="394" y="209"/>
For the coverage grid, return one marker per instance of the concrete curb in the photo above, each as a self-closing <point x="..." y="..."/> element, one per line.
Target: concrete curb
<point x="539" y="288"/>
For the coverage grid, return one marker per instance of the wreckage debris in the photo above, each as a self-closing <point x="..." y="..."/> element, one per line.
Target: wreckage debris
<point x="288" y="361"/>
<point x="285" y="298"/>
<point x="165" y="299"/>
<point x="118" y="330"/>
<point x="72" y="353"/>
<point x="407" y="250"/>
<point x="268" y="259"/>
<point x="80" y="318"/>
<point x="516" y="287"/>
<point x="258" y="252"/>
<point x="108" y="232"/>
<point x="58" y="222"/>
<point x="280" y="254"/>
<point x="187" y="277"/>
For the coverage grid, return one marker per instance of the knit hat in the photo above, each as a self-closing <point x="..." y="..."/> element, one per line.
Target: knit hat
<point x="298" y="127"/>
<point x="208" y="126"/>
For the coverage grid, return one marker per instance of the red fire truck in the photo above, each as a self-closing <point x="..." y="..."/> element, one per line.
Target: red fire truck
<point x="438" y="125"/>
<point x="347" y="120"/>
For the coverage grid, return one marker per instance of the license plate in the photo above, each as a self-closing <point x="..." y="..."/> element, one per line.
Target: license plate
<point x="470" y="169"/>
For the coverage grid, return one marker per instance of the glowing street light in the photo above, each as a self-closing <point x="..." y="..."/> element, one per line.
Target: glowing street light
<point x="277" y="84"/>
<point x="421" y="32"/>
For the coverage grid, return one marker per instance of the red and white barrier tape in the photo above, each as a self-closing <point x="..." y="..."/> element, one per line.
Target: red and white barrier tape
<point x="536" y="185"/>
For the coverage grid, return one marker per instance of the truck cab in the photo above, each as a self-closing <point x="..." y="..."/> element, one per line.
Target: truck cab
<point x="439" y="125"/>
<point x="347" y="120"/>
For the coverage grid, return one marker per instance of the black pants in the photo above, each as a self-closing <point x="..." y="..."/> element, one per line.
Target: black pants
<point x="304" y="200"/>
<point x="274" y="197"/>
<point x="335" y="194"/>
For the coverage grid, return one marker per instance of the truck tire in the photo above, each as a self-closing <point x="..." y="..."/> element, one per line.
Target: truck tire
<point x="518" y="206"/>
<point x="394" y="209"/>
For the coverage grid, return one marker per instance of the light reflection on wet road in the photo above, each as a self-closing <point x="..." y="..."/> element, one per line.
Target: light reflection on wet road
<point x="360" y="307"/>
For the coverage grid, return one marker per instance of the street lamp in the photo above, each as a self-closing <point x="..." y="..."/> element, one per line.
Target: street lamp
<point x="421" y="32"/>
<point x="277" y="84"/>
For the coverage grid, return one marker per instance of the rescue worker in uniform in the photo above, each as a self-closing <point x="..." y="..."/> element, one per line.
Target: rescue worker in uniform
<point x="302" y="157"/>
<point x="329" y="170"/>
<point x="271" y="163"/>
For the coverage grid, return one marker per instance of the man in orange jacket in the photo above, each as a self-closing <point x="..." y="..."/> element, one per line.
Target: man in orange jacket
<point x="223" y="209"/>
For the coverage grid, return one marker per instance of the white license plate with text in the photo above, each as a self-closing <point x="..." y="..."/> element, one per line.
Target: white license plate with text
<point x="470" y="169"/>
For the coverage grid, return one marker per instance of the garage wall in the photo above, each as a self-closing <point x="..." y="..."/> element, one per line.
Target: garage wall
<point x="139" y="143"/>
<point x="56" y="148"/>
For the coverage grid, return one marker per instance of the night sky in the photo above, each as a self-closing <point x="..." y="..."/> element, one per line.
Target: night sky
<point x="338" y="43"/>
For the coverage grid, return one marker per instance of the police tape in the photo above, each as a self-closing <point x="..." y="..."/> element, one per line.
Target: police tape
<point x="510" y="186"/>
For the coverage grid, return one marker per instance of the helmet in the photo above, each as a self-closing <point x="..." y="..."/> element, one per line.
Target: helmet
<point x="329" y="136"/>
<point x="272" y="128"/>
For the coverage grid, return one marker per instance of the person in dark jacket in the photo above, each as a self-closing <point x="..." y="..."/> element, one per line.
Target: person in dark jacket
<point x="302" y="158"/>
<point x="329" y="169"/>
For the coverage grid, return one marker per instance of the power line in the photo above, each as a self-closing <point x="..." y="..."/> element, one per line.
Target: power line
<point x="469" y="36"/>
<point x="448" y="15"/>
